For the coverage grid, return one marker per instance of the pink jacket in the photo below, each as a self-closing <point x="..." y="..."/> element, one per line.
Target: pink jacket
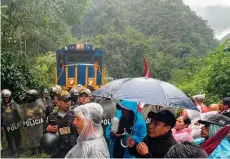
<point x="182" y="135"/>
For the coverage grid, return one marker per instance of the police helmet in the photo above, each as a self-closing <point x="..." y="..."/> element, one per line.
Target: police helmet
<point x="45" y="91"/>
<point x="6" y="93"/>
<point x="32" y="95"/>
<point x="32" y="92"/>
<point x="54" y="91"/>
<point x="79" y="87"/>
<point x="57" y="89"/>
<point x="50" y="143"/>
<point x="57" y="86"/>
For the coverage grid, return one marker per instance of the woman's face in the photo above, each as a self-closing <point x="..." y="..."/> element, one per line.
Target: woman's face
<point x="79" y="122"/>
<point x="180" y="123"/>
<point x="204" y="131"/>
<point x="126" y="114"/>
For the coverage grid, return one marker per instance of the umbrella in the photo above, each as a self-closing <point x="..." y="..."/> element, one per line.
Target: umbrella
<point x="148" y="90"/>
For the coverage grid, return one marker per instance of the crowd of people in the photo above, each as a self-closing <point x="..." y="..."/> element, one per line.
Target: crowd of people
<point x="69" y="125"/>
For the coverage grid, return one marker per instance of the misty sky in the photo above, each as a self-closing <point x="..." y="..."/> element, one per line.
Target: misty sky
<point x="216" y="12"/>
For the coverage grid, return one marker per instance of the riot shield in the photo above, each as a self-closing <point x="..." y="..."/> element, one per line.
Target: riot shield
<point x="31" y="112"/>
<point x="109" y="111"/>
<point x="10" y="117"/>
<point x="32" y="115"/>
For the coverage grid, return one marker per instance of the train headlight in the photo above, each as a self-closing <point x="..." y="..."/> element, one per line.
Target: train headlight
<point x="71" y="81"/>
<point x="90" y="83"/>
<point x="79" y="46"/>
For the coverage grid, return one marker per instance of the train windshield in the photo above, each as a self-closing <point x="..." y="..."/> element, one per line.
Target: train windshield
<point x="80" y="58"/>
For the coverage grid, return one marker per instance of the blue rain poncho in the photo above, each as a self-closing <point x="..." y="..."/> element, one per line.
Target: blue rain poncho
<point x="139" y="129"/>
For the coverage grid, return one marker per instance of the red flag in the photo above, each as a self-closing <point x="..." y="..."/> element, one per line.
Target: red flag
<point x="146" y="71"/>
<point x="140" y="106"/>
<point x="210" y="144"/>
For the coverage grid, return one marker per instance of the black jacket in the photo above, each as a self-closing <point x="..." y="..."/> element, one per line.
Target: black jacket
<point x="158" y="147"/>
<point x="226" y="113"/>
<point x="67" y="141"/>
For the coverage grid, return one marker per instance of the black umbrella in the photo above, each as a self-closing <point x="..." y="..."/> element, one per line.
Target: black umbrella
<point x="147" y="90"/>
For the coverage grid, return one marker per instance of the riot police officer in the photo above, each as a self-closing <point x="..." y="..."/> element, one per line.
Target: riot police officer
<point x="83" y="98"/>
<point x="74" y="93"/>
<point x="53" y="106"/>
<point x="33" y="113"/>
<point x="45" y="97"/>
<point x="11" y="122"/>
<point x="61" y="121"/>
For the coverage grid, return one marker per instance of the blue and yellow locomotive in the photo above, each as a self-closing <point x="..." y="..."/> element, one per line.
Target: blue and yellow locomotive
<point x="79" y="64"/>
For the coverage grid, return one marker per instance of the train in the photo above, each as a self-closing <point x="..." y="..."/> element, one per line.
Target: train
<point x="80" y="64"/>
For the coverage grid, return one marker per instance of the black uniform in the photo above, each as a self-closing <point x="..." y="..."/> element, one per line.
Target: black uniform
<point x="66" y="130"/>
<point x="51" y="107"/>
<point x="158" y="147"/>
<point x="226" y="113"/>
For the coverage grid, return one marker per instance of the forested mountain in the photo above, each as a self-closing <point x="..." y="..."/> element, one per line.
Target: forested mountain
<point x="174" y="34"/>
<point x="217" y="19"/>
<point x="171" y="37"/>
<point x="215" y="12"/>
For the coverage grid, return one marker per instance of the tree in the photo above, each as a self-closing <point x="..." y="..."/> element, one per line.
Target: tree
<point x="39" y="26"/>
<point x="15" y="76"/>
<point x="210" y="75"/>
<point x="42" y="70"/>
<point x="30" y="28"/>
<point x="124" y="52"/>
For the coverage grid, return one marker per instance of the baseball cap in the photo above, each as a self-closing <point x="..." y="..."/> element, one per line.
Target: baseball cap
<point x="226" y="101"/>
<point x="85" y="91"/>
<point x="64" y="96"/>
<point x="164" y="116"/>
<point x="216" y="119"/>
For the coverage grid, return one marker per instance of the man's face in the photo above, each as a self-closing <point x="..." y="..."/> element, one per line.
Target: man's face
<point x="64" y="105"/>
<point x="6" y="99"/>
<point x="44" y="94"/>
<point x="56" y="100"/>
<point x="83" y="99"/>
<point x="223" y="107"/>
<point x="204" y="131"/>
<point x="157" y="128"/>
<point x="79" y="123"/>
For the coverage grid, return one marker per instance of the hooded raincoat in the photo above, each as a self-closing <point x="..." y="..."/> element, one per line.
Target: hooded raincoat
<point x="222" y="150"/>
<point x="138" y="130"/>
<point x="91" y="142"/>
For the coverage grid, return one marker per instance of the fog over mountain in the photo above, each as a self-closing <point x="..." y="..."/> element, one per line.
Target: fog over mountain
<point x="216" y="12"/>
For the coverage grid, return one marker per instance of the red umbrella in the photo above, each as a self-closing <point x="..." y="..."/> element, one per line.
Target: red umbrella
<point x="210" y="145"/>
